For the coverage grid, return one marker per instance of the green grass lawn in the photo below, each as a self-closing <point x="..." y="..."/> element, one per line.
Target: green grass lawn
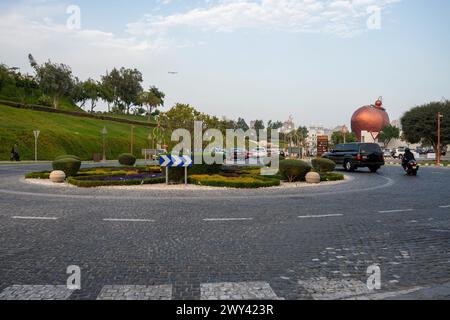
<point x="63" y="134"/>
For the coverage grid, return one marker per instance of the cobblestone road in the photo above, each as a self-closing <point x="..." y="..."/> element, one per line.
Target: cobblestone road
<point x="309" y="243"/>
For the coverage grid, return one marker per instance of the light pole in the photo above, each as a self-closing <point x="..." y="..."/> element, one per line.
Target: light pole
<point x="438" y="156"/>
<point x="132" y="139"/>
<point x="36" y="136"/>
<point x="344" y="131"/>
<point x="104" y="133"/>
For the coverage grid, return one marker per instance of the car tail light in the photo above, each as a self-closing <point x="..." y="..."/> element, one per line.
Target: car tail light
<point x="358" y="157"/>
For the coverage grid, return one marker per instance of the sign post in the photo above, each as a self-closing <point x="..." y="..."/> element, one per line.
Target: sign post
<point x="169" y="161"/>
<point x="36" y="136"/>
<point x="322" y="145"/>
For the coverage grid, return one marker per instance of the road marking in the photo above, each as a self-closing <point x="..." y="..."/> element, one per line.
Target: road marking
<point x="36" y="292"/>
<point x="444" y="207"/>
<point x="128" y="220"/>
<point x="257" y="290"/>
<point x="34" y="218"/>
<point x="228" y="219"/>
<point x="321" y="216"/>
<point x="135" y="292"/>
<point x="395" y="211"/>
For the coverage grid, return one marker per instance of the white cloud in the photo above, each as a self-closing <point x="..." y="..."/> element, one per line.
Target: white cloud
<point x="340" y="17"/>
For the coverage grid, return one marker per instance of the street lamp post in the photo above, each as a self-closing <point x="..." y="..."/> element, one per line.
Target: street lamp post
<point x="438" y="156"/>
<point x="104" y="133"/>
<point x="132" y="139"/>
<point x="36" y="136"/>
<point x="344" y="133"/>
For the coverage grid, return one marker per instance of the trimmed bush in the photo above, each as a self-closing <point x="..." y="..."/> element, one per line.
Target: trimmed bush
<point x="38" y="175"/>
<point x="294" y="170"/>
<point x="127" y="159"/>
<point x="244" y="182"/>
<point x="70" y="166"/>
<point x="68" y="156"/>
<point x="323" y="165"/>
<point x="331" y="176"/>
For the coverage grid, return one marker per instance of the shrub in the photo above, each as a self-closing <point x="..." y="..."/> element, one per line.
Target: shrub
<point x="244" y="182"/>
<point x="68" y="156"/>
<point x="70" y="166"/>
<point x="323" y="165"/>
<point x="38" y="175"/>
<point x="45" y="101"/>
<point x="127" y="159"/>
<point x="294" y="170"/>
<point x="331" y="176"/>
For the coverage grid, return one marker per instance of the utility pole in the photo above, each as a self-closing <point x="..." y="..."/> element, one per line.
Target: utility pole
<point x="132" y="139"/>
<point x="438" y="156"/>
<point x="104" y="133"/>
<point x="36" y="136"/>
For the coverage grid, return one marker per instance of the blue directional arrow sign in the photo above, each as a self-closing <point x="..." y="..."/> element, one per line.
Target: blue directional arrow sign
<point x="175" y="161"/>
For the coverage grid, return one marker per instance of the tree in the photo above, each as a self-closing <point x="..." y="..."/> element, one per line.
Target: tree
<point x="79" y="95"/>
<point x="301" y="135"/>
<point x="92" y="90"/>
<point x="126" y="87"/>
<point x="56" y="80"/>
<point x="274" y="125"/>
<point x="338" y="138"/>
<point x="241" y="124"/>
<point x="388" y="133"/>
<point x="420" y="124"/>
<point x="130" y="87"/>
<point x="107" y="94"/>
<point x="152" y="99"/>
<point x="259" y="125"/>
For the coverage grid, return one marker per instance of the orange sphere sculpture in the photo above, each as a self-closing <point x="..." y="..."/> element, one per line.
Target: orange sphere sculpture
<point x="371" y="118"/>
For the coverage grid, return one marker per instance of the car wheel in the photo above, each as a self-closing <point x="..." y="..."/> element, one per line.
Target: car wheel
<point x="348" y="166"/>
<point x="374" y="169"/>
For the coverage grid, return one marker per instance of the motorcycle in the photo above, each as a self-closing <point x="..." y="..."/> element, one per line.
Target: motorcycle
<point x="411" y="168"/>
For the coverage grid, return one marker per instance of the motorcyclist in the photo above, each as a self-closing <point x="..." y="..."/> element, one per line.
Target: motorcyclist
<point x="407" y="157"/>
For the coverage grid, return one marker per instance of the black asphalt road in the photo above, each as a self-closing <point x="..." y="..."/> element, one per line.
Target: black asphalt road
<point x="331" y="234"/>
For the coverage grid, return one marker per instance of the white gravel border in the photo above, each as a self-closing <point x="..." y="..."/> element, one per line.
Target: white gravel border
<point x="182" y="187"/>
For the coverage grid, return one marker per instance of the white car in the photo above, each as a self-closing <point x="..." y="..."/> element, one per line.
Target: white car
<point x="258" y="152"/>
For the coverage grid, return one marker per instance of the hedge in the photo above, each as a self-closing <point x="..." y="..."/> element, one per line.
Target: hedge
<point x="323" y="165"/>
<point x="127" y="159"/>
<point x="102" y="183"/>
<point x="69" y="166"/>
<point x="38" y="175"/>
<point x="245" y="182"/>
<point x="294" y="170"/>
<point x="331" y="176"/>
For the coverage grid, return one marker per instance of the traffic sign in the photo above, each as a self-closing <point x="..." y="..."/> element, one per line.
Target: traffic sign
<point x="175" y="161"/>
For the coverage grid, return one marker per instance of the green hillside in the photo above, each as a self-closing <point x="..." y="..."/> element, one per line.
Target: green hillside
<point x="63" y="134"/>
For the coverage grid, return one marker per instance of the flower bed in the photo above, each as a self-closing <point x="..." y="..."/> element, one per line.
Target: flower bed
<point x="243" y="182"/>
<point x="102" y="181"/>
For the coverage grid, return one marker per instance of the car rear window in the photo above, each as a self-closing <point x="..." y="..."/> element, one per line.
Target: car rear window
<point x="370" y="147"/>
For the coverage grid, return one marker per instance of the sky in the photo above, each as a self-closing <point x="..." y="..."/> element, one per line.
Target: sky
<point x="317" y="60"/>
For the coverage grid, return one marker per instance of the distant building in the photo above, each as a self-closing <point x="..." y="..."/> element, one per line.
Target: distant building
<point x="313" y="132"/>
<point x="288" y="126"/>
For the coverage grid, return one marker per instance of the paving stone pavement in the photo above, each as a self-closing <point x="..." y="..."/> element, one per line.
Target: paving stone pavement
<point x="181" y="250"/>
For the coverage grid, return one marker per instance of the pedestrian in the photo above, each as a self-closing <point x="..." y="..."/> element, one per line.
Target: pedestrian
<point x="15" y="152"/>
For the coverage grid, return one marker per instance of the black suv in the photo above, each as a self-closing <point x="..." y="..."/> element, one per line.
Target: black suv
<point x="357" y="155"/>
